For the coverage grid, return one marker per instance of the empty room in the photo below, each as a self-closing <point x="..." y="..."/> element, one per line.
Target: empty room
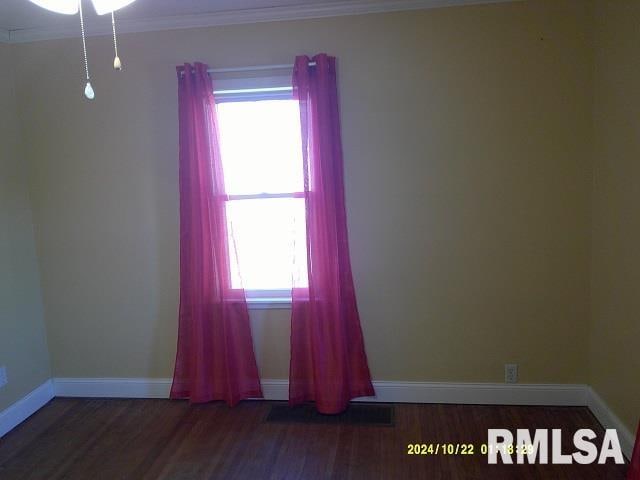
<point x="319" y="239"/>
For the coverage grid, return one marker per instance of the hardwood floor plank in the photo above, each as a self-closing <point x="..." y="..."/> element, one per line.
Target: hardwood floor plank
<point x="92" y="439"/>
<point x="129" y="439"/>
<point x="30" y="430"/>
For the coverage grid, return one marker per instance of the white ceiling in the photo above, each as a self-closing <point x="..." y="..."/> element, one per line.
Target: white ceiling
<point x="22" y="21"/>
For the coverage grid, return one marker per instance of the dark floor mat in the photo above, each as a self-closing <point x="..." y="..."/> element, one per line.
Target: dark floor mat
<point x="373" y="415"/>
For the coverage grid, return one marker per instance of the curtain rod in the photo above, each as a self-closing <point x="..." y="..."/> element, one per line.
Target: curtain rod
<point x="255" y="68"/>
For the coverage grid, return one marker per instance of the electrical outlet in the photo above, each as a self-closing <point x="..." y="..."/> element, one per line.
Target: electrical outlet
<point x="511" y="373"/>
<point x="3" y="376"/>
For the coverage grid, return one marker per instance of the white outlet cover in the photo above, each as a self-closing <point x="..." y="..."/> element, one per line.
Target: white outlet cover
<point x="511" y="373"/>
<point x="3" y="376"/>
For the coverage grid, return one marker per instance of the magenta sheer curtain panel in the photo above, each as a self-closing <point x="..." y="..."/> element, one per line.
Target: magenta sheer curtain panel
<point x="215" y="358"/>
<point x="328" y="359"/>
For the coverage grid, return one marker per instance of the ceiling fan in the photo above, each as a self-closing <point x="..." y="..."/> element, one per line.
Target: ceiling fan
<point x="102" y="7"/>
<point x="71" y="7"/>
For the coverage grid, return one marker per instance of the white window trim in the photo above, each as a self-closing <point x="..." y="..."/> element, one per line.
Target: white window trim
<point x="268" y="299"/>
<point x="253" y="89"/>
<point x="255" y="196"/>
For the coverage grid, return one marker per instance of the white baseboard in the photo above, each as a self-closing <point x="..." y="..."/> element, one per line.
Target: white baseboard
<point x="142" y="388"/>
<point x="403" y="392"/>
<point x="462" y="393"/>
<point x="386" y="391"/>
<point x="608" y="419"/>
<point x="478" y="393"/>
<point x="112" y="387"/>
<point x="275" y="389"/>
<point x="24" y="408"/>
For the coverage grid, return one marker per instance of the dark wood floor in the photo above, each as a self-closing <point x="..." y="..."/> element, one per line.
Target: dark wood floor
<point x="92" y="439"/>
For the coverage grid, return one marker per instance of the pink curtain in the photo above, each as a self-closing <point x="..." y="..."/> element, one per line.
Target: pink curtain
<point x="215" y="359"/>
<point x="328" y="359"/>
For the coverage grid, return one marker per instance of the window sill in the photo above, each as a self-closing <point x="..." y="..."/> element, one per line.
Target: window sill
<point x="272" y="303"/>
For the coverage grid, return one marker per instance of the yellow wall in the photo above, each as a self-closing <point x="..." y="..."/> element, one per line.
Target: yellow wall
<point x="467" y="178"/>
<point x="615" y="329"/>
<point x="23" y="348"/>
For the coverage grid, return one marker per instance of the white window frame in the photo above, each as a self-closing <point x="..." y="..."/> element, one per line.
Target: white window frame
<point x="251" y="90"/>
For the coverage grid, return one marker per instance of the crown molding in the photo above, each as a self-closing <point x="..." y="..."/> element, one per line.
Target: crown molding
<point x="237" y="17"/>
<point x="5" y="36"/>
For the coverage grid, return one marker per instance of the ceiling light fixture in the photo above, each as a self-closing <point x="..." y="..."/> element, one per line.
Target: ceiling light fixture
<point x="102" y="7"/>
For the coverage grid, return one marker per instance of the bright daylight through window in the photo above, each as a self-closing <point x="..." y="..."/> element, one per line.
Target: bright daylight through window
<point x="262" y="161"/>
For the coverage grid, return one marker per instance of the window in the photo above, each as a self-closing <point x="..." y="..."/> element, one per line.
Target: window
<point x="262" y="162"/>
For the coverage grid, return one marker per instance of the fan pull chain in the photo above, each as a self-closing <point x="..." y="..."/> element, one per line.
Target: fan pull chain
<point x="117" y="64"/>
<point x="88" y="89"/>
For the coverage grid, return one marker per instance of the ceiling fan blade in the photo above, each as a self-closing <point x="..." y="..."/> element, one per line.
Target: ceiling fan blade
<point x="67" y="7"/>
<point x="107" y="6"/>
